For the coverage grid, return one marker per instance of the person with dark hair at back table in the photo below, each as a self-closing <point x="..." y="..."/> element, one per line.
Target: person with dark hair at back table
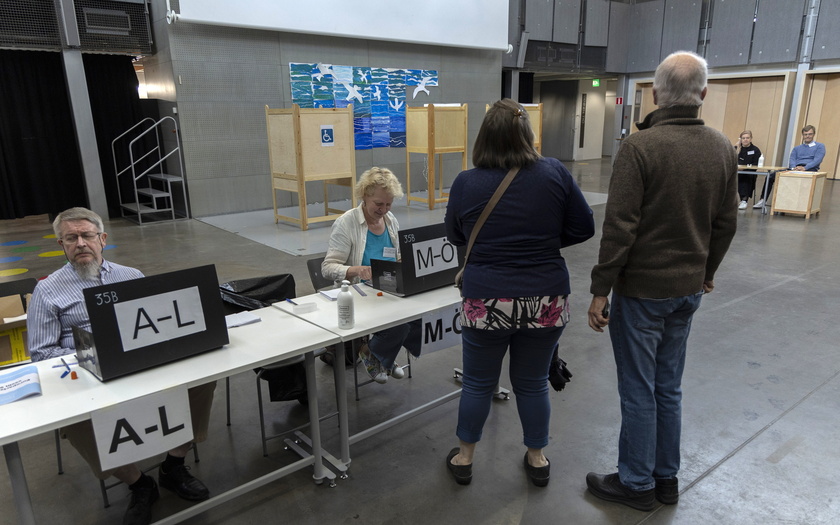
<point x="516" y="283"/>
<point x="668" y="224"/>
<point x="57" y="305"/>
<point x="748" y="154"/>
<point x="805" y="157"/>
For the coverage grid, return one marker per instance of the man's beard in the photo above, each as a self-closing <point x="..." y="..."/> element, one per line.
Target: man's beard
<point x="87" y="271"/>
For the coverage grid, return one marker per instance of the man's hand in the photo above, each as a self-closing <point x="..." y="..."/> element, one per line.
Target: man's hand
<point x="708" y="286"/>
<point x="597" y="321"/>
<point x="799" y="168"/>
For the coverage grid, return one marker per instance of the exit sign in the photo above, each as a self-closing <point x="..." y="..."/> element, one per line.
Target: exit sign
<point x="596" y="82"/>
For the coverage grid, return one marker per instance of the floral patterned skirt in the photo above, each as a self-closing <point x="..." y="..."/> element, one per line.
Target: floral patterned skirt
<point x="519" y="312"/>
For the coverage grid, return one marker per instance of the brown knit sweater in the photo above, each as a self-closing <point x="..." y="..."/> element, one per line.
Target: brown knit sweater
<point x="672" y="208"/>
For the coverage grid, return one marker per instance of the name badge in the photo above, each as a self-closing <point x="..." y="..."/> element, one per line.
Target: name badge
<point x="389" y="253"/>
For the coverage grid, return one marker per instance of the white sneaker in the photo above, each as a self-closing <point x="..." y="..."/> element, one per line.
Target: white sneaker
<point x="397" y="372"/>
<point x="743" y="205"/>
<point x="759" y="204"/>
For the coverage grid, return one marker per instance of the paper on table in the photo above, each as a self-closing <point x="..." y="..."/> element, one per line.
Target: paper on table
<point x="240" y="319"/>
<point x="331" y="294"/>
<point x="21" y="317"/>
<point x="20" y="382"/>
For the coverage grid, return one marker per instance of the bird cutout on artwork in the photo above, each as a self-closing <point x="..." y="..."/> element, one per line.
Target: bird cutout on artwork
<point x="422" y="87"/>
<point x="323" y="69"/>
<point x="353" y="92"/>
<point x="397" y="104"/>
<point x="377" y="94"/>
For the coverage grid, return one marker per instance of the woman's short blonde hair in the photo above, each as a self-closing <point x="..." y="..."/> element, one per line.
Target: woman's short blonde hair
<point x="378" y="178"/>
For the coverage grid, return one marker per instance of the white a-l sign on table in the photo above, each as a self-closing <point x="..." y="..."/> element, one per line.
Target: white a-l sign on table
<point x="142" y="428"/>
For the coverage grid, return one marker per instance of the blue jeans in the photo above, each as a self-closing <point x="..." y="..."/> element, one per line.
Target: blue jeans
<point x="649" y="340"/>
<point x="531" y="350"/>
<point x="386" y="344"/>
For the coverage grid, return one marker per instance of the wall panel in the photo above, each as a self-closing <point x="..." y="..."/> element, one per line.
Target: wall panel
<point x="566" y="21"/>
<point x="646" y="36"/>
<point x="539" y="17"/>
<point x="732" y="24"/>
<point x="776" y="37"/>
<point x="681" y="26"/>
<point x="596" y="29"/>
<point x="826" y="43"/>
<point x="619" y="37"/>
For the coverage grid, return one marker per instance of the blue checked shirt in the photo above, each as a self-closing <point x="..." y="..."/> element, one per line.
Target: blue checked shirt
<point x="57" y="305"/>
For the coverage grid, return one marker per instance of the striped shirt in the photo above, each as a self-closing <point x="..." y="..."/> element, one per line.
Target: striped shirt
<point x="57" y="305"/>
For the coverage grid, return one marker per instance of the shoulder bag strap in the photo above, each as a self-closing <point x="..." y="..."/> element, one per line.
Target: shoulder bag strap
<point x="489" y="208"/>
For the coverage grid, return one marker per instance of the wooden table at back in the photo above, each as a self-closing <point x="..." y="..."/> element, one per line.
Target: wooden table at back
<point x="799" y="192"/>
<point x="768" y="171"/>
<point x="64" y="401"/>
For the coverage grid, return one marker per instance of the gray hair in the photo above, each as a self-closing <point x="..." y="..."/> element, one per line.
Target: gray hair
<point x="77" y="214"/>
<point x="680" y="79"/>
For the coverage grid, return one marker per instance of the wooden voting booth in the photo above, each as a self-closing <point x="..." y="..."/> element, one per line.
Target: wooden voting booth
<point x="310" y="145"/>
<point x="535" y="112"/>
<point x="434" y="130"/>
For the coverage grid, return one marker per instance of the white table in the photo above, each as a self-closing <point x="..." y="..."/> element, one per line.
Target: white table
<point x="373" y="313"/>
<point x="66" y="401"/>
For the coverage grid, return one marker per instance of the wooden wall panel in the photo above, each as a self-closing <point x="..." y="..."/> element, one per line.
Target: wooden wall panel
<point x="759" y="118"/>
<point x="713" y="110"/>
<point x="737" y="105"/>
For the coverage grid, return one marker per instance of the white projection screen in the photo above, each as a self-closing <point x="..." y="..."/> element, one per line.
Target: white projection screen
<point x="481" y="24"/>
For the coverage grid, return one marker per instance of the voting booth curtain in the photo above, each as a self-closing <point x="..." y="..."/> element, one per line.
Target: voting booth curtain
<point x="40" y="170"/>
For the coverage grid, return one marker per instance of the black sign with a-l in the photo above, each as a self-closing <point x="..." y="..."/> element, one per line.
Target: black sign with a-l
<point x="142" y="323"/>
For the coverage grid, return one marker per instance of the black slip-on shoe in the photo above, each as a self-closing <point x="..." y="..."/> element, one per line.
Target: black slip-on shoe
<point x="461" y="473"/>
<point x="538" y="475"/>
<point x="608" y="487"/>
<point x="139" y="511"/>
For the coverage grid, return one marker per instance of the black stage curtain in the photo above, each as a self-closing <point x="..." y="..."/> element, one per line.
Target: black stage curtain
<point x="39" y="159"/>
<point x="116" y="106"/>
<point x="40" y="170"/>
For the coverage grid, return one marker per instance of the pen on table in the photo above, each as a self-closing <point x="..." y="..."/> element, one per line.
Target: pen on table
<point x="290" y="301"/>
<point x="363" y="294"/>
<point x="63" y="366"/>
<point x="67" y="367"/>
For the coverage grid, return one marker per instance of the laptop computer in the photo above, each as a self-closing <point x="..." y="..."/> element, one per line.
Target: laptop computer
<point x="143" y="323"/>
<point x="429" y="261"/>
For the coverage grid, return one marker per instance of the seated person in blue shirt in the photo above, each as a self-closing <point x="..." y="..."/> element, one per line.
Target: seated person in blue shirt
<point x="748" y="154"/>
<point x="367" y="232"/>
<point x="57" y="305"/>
<point x="805" y="157"/>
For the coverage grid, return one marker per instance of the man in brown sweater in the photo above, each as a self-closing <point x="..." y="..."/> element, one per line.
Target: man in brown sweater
<point x="670" y="217"/>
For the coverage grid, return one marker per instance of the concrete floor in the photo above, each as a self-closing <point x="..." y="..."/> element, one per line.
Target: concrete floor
<point x="762" y="394"/>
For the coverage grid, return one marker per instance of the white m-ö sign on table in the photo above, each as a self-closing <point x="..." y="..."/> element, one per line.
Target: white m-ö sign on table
<point x="142" y="428"/>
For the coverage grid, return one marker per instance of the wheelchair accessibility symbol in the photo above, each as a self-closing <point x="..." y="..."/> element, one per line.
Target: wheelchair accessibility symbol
<point x="327" y="136"/>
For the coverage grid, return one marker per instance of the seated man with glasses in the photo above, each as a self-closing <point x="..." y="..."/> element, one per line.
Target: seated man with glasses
<point x="57" y="305"/>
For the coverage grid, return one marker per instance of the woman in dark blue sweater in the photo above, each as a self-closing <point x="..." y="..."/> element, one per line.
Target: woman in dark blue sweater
<point x="516" y="283"/>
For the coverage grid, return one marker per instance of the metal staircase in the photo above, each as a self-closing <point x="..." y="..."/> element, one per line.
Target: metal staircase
<point x="155" y="168"/>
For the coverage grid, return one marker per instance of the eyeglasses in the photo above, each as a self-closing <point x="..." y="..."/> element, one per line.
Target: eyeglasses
<point x="72" y="238"/>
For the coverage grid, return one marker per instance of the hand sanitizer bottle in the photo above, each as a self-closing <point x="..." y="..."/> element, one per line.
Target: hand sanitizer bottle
<point x="761" y="161"/>
<point x="346" y="317"/>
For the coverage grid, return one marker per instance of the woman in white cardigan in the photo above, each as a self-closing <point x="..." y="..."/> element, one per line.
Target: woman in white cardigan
<point x="367" y="232"/>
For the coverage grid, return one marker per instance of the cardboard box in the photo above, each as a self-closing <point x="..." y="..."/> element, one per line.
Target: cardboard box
<point x="13" y="339"/>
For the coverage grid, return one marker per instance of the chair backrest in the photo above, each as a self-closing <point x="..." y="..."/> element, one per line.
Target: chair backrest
<point x="19" y="287"/>
<point x="256" y="292"/>
<point x="319" y="282"/>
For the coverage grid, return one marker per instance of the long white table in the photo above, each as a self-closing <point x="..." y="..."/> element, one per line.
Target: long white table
<point x="373" y="312"/>
<point x="65" y="401"/>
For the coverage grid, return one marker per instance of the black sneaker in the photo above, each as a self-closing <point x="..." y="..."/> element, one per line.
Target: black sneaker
<point x="608" y="487"/>
<point x="181" y="482"/>
<point x="139" y="511"/>
<point x="667" y="490"/>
